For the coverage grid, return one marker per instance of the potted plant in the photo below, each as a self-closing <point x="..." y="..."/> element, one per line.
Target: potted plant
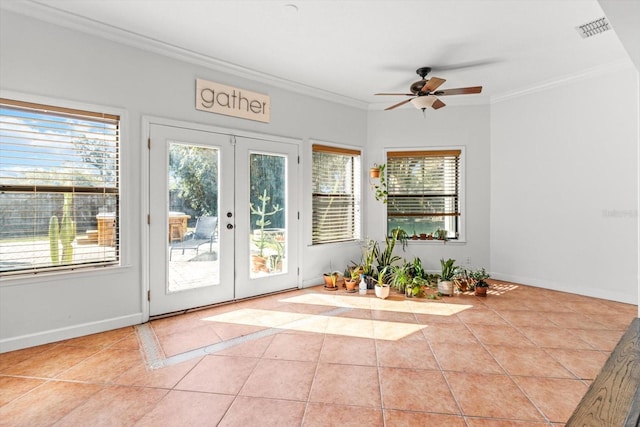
<point x="441" y="234"/>
<point x="386" y="257"/>
<point x="380" y="190"/>
<point x="374" y="172"/>
<point x="445" y="286"/>
<point x="462" y="278"/>
<point x="481" y="286"/>
<point x="417" y="287"/>
<point x="402" y="277"/>
<point x="381" y="288"/>
<point x="353" y="279"/>
<point x="259" y="237"/>
<point x="331" y="280"/>
<point x="370" y="253"/>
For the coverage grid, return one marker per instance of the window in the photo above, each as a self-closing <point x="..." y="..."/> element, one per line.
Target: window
<point x="424" y="192"/>
<point x="335" y="194"/>
<point x="59" y="188"/>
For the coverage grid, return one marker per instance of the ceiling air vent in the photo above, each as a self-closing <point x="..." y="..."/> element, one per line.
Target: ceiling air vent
<point x="594" y="27"/>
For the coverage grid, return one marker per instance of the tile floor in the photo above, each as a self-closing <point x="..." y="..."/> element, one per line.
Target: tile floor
<point x="521" y="357"/>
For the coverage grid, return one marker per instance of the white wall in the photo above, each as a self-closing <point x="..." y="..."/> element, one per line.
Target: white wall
<point x="465" y="126"/>
<point x="624" y="17"/>
<point x="41" y="59"/>
<point x="564" y="186"/>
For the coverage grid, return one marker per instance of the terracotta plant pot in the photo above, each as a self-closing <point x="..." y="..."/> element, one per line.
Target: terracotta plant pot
<point x="374" y="172"/>
<point x="481" y="291"/>
<point x="334" y="283"/>
<point x="350" y="284"/>
<point x="259" y="263"/>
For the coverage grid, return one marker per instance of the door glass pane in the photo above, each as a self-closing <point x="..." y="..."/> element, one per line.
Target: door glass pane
<point x="267" y="232"/>
<point x="193" y="217"/>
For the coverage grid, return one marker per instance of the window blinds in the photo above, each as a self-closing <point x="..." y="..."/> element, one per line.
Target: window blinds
<point x="59" y="188"/>
<point x="423" y="183"/>
<point x="335" y="194"/>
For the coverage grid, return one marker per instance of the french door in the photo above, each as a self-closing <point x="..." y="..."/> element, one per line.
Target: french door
<point x="223" y="222"/>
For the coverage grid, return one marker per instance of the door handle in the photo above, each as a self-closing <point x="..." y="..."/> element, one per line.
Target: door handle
<point x="229" y="226"/>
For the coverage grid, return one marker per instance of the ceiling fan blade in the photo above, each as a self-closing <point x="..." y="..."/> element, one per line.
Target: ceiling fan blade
<point x="432" y="84"/>
<point x="459" y="91"/>
<point x="398" y="104"/>
<point x="437" y="104"/>
<point x="395" y="94"/>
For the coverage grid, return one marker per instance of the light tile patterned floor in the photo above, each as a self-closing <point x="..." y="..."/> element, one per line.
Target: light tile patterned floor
<point x="522" y="356"/>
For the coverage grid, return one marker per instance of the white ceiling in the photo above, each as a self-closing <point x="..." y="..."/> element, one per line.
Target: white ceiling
<point x="355" y="48"/>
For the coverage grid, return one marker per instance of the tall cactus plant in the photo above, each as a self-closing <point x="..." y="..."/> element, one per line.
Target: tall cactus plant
<point x="65" y="233"/>
<point x="54" y="235"/>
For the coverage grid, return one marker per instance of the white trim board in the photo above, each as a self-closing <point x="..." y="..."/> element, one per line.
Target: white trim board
<point x="54" y="335"/>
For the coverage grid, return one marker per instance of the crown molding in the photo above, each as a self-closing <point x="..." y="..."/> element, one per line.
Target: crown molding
<point x="52" y="15"/>
<point x="599" y="70"/>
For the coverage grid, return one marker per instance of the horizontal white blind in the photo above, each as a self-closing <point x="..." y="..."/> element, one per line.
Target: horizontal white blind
<point x="335" y="194"/>
<point x="59" y="188"/>
<point x="423" y="184"/>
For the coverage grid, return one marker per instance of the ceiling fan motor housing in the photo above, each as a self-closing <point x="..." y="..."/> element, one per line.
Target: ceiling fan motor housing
<point x="416" y="87"/>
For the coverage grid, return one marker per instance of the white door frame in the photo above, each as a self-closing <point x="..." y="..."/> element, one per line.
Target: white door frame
<point x="147" y="121"/>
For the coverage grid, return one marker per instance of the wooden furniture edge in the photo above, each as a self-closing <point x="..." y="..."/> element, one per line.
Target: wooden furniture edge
<point x="613" y="399"/>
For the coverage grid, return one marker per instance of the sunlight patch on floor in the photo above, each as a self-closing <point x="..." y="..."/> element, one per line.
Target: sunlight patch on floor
<point x="501" y="288"/>
<point x="357" y="302"/>
<point x="335" y="325"/>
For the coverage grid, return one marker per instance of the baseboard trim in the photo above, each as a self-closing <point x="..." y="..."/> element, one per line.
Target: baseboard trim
<point x="601" y="293"/>
<point x="53" y="335"/>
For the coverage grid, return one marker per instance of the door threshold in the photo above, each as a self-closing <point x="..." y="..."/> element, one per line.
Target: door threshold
<point x="219" y="304"/>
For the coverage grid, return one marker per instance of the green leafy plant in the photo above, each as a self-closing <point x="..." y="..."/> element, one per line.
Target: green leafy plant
<point x="417" y="269"/>
<point x="480" y="275"/>
<point x="370" y="253"/>
<point x="416" y="285"/>
<point x="355" y="272"/>
<point x="441" y="234"/>
<point x="380" y="190"/>
<point x="401" y="276"/>
<point x="382" y="277"/>
<point x="448" y="269"/>
<point x="386" y="257"/>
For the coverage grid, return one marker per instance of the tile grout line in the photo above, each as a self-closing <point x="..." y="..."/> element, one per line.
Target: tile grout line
<point x="156" y="360"/>
<point x="315" y="374"/>
<point x="506" y="371"/>
<point x="446" y="380"/>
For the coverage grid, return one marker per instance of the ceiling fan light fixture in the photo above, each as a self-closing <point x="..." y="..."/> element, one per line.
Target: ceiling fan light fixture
<point x="422" y="102"/>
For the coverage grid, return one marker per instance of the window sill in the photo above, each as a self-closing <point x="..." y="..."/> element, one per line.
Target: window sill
<point x="438" y="242"/>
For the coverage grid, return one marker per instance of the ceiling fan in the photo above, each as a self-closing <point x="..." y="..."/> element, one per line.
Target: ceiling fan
<point x="424" y="92"/>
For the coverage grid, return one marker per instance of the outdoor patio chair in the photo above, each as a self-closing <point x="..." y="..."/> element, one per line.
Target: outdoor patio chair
<point x="205" y="232"/>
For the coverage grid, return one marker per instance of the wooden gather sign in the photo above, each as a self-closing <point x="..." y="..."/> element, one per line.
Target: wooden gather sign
<point x="221" y="99"/>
